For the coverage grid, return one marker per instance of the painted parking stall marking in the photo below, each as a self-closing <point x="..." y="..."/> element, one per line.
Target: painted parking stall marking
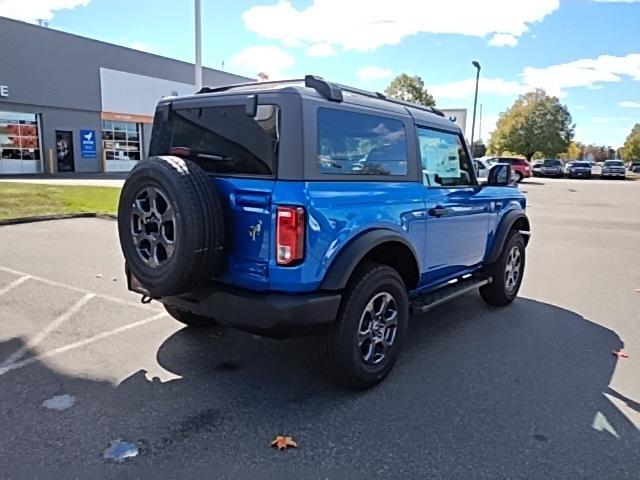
<point x="14" y="284"/>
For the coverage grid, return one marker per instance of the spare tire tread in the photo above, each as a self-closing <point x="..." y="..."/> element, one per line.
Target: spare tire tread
<point x="200" y="216"/>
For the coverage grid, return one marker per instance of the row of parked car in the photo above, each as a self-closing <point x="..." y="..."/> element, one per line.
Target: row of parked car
<point x="583" y="168"/>
<point x="522" y="169"/>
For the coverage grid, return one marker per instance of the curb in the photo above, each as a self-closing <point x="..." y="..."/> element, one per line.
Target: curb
<point x="46" y="218"/>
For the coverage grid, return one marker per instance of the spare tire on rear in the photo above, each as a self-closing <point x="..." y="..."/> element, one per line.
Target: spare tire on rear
<point x="170" y="223"/>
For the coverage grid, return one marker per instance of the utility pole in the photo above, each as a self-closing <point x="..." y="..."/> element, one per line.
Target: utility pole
<point x="480" y="125"/>
<point x="475" y="103"/>
<point x="198" y="46"/>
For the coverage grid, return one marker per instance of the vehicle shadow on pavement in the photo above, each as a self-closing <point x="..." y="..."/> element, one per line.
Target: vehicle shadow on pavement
<point x="516" y="392"/>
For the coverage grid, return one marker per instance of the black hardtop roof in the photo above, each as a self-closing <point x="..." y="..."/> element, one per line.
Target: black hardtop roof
<point x="317" y="87"/>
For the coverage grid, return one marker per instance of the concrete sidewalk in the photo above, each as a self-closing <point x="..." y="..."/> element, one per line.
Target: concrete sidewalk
<point x="84" y="179"/>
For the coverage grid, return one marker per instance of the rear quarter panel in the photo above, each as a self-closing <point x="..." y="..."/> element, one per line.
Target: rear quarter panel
<point x="337" y="213"/>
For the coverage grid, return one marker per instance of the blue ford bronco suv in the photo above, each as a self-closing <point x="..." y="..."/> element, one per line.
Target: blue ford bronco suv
<point x="291" y="207"/>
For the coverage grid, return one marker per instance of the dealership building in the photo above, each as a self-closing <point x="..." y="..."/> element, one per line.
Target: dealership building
<point x="72" y="104"/>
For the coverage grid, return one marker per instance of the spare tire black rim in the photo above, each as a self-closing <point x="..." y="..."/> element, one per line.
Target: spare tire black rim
<point x="153" y="227"/>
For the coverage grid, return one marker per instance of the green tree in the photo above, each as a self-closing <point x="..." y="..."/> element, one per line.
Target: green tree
<point x="536" y="122"/>
<point x="409" y="89"/>
<point x="631" y="148"/>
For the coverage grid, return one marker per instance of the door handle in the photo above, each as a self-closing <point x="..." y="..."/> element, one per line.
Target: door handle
<point x="439" y="211"/>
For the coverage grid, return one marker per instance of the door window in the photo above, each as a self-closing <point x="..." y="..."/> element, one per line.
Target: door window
<point x="64" y="151"/>
<point x="444" y="160"/>
<point x="351" y="143"/>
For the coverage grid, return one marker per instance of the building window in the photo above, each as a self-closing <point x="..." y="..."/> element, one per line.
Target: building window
<point x="121" y="140"/>
<point x="19" y="143"/>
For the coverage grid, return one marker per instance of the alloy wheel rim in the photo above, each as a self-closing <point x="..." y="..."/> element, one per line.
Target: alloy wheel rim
<point x="512" y="269"/>
<point x="378" y="328"/>
<point x="153" y="227"/>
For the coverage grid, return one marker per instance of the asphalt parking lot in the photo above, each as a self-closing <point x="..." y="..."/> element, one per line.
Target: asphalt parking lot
<point x="528" y="391"/>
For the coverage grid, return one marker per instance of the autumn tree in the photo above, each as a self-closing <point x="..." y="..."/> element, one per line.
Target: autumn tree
<point x="536" y="122"/>
<point x="631" y="148"/>
<point x="574" y="152"/>
<point x="409" y="89"/>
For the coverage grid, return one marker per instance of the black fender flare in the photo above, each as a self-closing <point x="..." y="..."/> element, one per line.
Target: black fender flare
<point x="347" y="260"/>
<point x="506" y="224"/>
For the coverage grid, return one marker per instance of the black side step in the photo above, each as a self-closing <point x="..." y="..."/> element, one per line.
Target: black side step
<point x="444" y="294"/>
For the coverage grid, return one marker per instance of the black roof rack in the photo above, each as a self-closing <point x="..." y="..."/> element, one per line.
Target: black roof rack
<point x="333" y="91"/>
<point x="329" y="90"/>
<point x="247" y="84"/>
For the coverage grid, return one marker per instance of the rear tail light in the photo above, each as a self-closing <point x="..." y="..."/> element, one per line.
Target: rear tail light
<point x="289" y="235"/>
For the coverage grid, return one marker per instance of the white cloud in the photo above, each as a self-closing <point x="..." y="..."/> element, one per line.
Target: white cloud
<point x="261" y="58"/>
<point x="629" y="104"/>
<point x="586" y="72"/>
<point x="34" y="10"/>
<point x="591" y="73"/>
<point x="503" y="40"/>
<point x="354" y="25"/>
<point x="463" y="89"/>
<point x="142" y="46"/>
<point x="321" y="50"/>
<point x="367" y="74"/>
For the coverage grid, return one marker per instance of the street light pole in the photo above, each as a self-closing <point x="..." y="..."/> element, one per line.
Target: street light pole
<point x="475" y="103"/>
<point x="198" y="47"/>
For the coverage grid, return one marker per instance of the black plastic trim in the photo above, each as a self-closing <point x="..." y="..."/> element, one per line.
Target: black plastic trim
<point x="271" y="314"/>
<point x="503" y="230"/>
<point x="343" y="266"/>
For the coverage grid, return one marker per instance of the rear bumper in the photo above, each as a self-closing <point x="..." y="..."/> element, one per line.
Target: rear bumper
<point x="266" y="313"/>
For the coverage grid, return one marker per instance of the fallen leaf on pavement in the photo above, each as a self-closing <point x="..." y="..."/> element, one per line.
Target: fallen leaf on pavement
<point x="620" y="354"/>
<point x="281" y="442"/>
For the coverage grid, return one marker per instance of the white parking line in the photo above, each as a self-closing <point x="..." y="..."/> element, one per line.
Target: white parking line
<point x="76" y="289"/>
<point x="42" y="334"/>
<point x="14" y="284"/>
<point x="80" y="343"/>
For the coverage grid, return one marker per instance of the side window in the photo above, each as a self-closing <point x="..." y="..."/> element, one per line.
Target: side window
<point x="352" y="143"/>
<point x="444" y="159"/>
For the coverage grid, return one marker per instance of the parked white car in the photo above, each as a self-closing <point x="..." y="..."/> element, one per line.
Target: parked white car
<point x="482" y="167"/>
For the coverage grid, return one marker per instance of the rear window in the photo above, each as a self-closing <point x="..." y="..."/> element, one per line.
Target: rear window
<point x="352" y="143"/>
<point x="221" y="139"/>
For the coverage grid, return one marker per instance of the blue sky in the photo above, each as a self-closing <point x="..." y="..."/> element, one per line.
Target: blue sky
<point x="587" y="52"/>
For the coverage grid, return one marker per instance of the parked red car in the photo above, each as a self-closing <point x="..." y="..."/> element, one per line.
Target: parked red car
<point x="520" y="167"/>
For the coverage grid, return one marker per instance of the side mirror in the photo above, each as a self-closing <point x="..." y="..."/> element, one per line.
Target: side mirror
<point x="500" y="175"/>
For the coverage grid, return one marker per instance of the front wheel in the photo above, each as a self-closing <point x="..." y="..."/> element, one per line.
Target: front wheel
<point x="364" y="343"/>
<point x="506" y="272"/>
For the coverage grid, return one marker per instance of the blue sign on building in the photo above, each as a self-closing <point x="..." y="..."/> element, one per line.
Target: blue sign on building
<point x="88" y="143"/>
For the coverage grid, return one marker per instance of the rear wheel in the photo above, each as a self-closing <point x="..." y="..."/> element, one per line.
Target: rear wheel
<point x="190" y="319"/>
<point x="364" y="343"/>
<point x="506" y="272"/>
<point x="519" y="177"/>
